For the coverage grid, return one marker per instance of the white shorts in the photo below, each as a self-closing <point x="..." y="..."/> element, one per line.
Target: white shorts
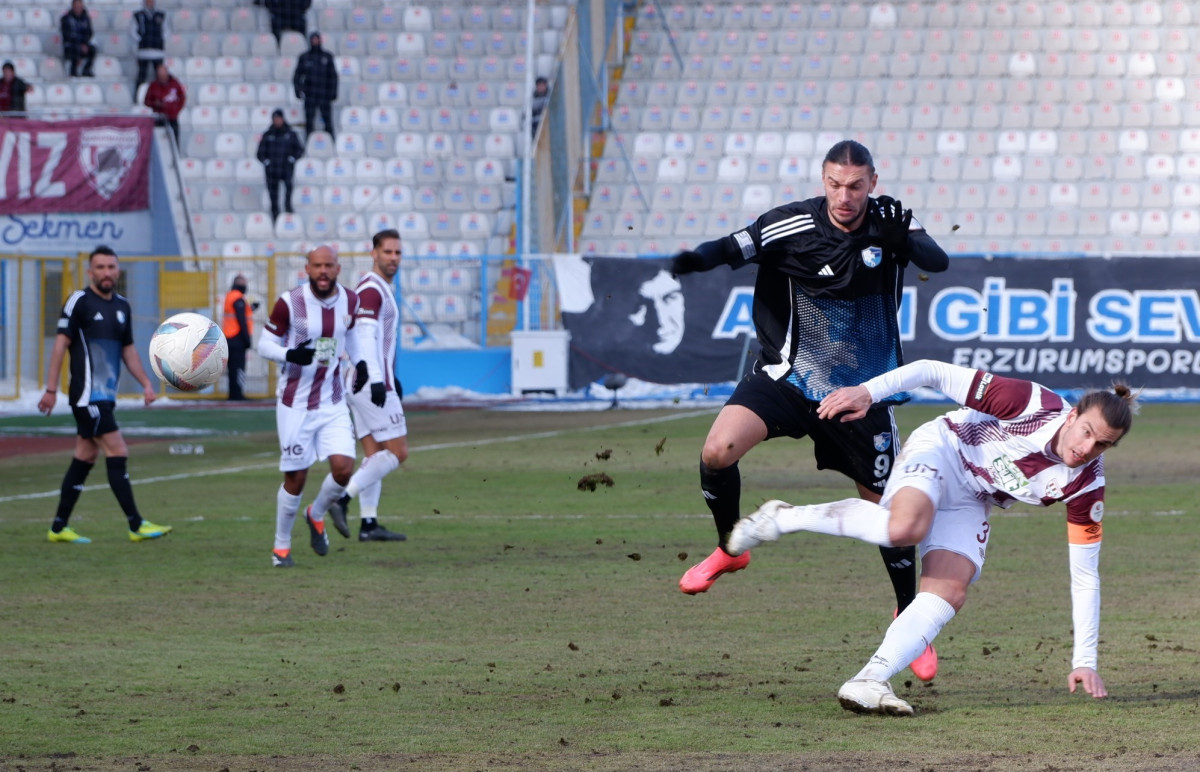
<point x="382" y="423"/>
<point x="960" y="522"/>
<point x="308" y="436"/>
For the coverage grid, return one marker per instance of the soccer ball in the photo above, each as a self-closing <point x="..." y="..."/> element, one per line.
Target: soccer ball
<point x="188" y="351"/>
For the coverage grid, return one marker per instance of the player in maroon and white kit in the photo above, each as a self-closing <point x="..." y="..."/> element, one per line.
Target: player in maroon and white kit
<point x="1012" y="440"/>
<point x="308" y="332"/>
<point x="378" y="416"/>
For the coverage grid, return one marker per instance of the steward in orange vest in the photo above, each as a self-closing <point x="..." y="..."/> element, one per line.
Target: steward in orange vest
<point x="238" y="327"/>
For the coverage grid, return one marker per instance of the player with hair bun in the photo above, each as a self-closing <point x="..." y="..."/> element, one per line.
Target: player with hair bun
<point x="1013" y="440"/>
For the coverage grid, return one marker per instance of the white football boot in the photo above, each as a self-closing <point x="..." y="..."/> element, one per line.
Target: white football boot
<point x="755" y="528"/>
<point x="866" y="695"/>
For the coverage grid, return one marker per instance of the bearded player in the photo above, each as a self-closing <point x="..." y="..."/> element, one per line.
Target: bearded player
<point x="375" y="398"/>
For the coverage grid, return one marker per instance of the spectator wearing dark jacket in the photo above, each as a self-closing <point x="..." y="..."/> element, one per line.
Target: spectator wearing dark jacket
<point x="76" y="29"/>
<point x="278" y="150"/>
<point x="12" y="90"/>
<point x="149" y="31"/>
<point x="166" y="97"/>
<point x="288" y="15"/>
<point x="316" y="82"/>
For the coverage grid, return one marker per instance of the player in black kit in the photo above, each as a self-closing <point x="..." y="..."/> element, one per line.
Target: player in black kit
<point x="830" y="276"/>
<point x="96" y="327"/>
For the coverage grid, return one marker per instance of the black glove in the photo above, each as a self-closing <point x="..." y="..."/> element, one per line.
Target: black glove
<point x="687" y="262"/>
<point x="360" y="376"/>
<point x="378" y="394"/>
<point x="893" y="221"/>
<point x="301" y="355"/>
<point x="399" y="390"/>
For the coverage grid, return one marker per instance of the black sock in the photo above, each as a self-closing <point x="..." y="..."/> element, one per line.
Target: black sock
<point x="72" y="486"/>
<point x="118" y="481"/>
<point x="367" y="524"/>
<point x="722" y="490"/>
<point x="901" y="565"/>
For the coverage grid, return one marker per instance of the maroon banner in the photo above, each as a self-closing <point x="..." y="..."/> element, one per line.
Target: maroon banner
<point x="96" y="164"/>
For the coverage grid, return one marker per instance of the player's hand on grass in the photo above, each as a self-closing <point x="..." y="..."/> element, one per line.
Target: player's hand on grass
<point x="378" y="394"/>
<point x="1093" y="684"/>
<point x="360" y="376"/>
<point x="893" y="221"/>
<point x="301" y="355"/>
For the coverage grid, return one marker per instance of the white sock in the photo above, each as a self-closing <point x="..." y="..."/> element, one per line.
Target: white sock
<point x="368" y="501"/>
<point x="329" y="493"/>
<point x="286" y="507"/>
<point x="856" y="518"/>
<point x="908" y="635"/>
<point x="372" y="469"/>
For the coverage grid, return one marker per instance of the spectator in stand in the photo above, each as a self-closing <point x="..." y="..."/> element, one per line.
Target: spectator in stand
<point x="12" y="90"/>
<point x="149" y="31"/>
<point x="278" y="150"/>
<point x="541" y="97"/>
<point x="77" y="34"/>
<point x="166" y="96"/>
<point x="288" y="15"/>
<point x="316" y="82"/>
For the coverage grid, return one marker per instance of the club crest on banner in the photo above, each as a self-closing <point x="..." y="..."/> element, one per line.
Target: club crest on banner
<point x="871" y="256"/>
<point x="107" y="155"/>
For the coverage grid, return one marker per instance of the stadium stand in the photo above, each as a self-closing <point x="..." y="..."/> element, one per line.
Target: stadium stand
<point x="1013" y="121"/>
<point x="1075" y="111"/>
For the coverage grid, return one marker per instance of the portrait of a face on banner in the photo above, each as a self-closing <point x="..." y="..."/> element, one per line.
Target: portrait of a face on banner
<point x="632" y="316"/>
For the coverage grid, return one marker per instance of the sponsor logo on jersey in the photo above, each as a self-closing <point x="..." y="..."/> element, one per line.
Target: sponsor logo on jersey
<point x="1007" y="476"/>
<point x="871" y="256"/>
<point x="1097" y="512"/>
<point x="983" y="384"/>
<point x="883" y="441"/>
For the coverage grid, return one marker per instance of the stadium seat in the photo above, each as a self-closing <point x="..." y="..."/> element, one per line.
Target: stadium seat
<point x="218" y="170"/>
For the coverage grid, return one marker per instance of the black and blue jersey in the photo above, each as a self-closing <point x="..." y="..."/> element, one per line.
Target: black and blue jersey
<point x="99" y="331"/>
<point x="825" y="301"/>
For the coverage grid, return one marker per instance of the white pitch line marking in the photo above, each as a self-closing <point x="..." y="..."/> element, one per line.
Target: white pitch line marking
<point x="439" y="446"/>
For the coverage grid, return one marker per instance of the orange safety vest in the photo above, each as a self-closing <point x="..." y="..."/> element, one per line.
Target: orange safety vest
<point x="229" y="324"/>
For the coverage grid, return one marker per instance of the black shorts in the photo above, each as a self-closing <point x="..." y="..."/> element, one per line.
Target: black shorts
<point x="863" y="450"/>
<point x="95" y="420"/>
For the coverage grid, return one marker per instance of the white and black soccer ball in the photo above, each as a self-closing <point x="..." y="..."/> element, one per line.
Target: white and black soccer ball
<point x="188" y="351"/>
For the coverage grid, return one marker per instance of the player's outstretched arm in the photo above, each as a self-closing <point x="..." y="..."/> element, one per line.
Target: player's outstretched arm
<point x="705" y="257"/>
<point x="1092" y="683"/>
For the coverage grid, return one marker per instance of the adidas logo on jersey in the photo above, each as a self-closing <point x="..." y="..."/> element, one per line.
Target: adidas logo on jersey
<point x="825" y="271"/>
<point x="99" y="317"/>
